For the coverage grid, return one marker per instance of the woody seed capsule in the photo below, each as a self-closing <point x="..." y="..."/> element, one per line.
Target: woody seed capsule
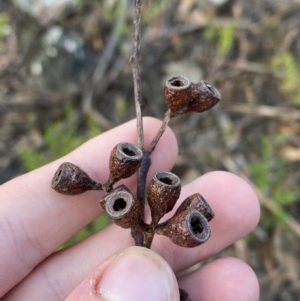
<point x="187" y="228"/>
<point x="124" y="161"/>
<point x="71" y="179"/>
<point x="183" y="96"/>
<point x="123" y="208"/>
<point x="163" y="192"/>
<point x="197" y="201"/>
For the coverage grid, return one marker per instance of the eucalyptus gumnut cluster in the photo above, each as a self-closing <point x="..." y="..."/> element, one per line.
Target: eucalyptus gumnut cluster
<point x="189" y="225"/>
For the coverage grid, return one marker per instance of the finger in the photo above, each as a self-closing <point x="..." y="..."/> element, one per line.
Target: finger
<point x="237" y="213"/>
<point x="222" y="279"/>
<point x="35" y="218"/>
<point x="132" y="274"/>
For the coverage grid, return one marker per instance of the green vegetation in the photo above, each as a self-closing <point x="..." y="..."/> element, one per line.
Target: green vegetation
<point x="4" y="26"/>
<point x="285" y="67"/>
<point x="268" y="173"/>
<point x="223" y="36"/>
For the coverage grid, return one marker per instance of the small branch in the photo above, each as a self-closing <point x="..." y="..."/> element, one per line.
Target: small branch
<point x="142" y="177"/>
<point x="134" y="60"/>
<point x="160" y="132"/>
<point x="138" y="235"/>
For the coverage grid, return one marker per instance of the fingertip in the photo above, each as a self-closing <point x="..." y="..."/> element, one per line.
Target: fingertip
<point x="222" y="279"/>
<point x="132" y="274"/>
<point x="237" y="280"/>
<point x="232" y="198"/>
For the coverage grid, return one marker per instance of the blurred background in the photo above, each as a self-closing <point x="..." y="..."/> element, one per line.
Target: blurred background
<point x="65" y="77"/>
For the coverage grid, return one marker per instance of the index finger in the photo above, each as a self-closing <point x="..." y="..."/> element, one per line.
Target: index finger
<point x="35" y="220"/>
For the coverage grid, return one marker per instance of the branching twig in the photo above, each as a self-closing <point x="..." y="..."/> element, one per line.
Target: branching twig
<point x="160" y="132"/>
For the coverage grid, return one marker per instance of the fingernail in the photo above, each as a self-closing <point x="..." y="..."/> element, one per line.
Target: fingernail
<point x="138" y="274"/>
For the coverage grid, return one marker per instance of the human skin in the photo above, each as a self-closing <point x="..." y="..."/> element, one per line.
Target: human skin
<point x="35" y="220"/>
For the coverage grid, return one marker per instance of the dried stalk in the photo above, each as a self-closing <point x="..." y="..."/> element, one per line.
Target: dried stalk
<point x="138" y="235"/>
<point x="160" y="132"/>
<point x="134" y="60"/>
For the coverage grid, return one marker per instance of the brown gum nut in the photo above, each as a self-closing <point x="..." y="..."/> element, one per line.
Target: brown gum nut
<point x="177" y="92"/>
<point x="197" y="201"/>
<point x="204" y="97"/>
<point x="163" y="192"/>
<point x="188" y="229"/>
<point x="123" y="208"/>
<point x="124" y="161"/>
<point x="183" y="96"/>
<point x="71" y="179"/>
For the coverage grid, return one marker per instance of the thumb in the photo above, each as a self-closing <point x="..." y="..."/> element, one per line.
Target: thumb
<point x="132" y="274"/>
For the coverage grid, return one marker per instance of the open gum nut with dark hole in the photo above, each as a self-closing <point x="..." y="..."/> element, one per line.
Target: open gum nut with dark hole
<point x="123" y="208"/>
<point x="186" y="229"/>
<point x="125" y="159"/>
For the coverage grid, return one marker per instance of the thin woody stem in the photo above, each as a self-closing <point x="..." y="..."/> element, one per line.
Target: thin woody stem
<point x="134" y="60"/>
<point x="142" y="176"/>
<point x="138" y="235"/>
<point x="160" y="132"/>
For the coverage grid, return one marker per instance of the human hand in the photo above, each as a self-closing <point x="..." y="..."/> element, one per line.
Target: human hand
<point x="35" y="220"/>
